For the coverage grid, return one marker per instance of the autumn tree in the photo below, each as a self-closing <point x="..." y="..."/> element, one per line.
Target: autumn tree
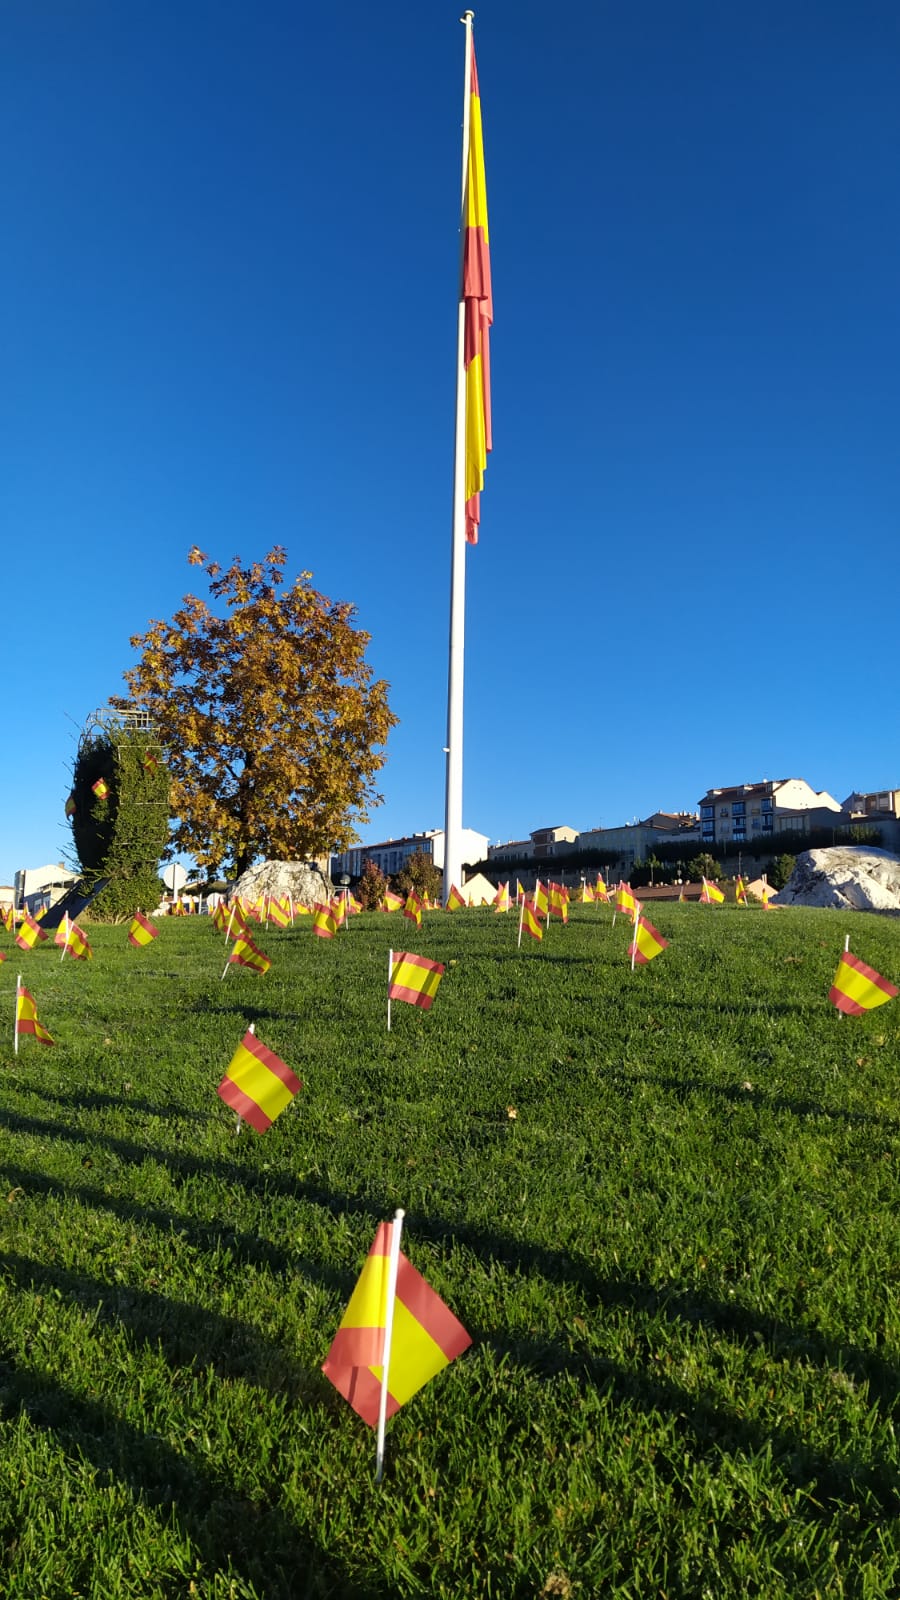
<point x="271" y="724"/>
<point x="371" y="886"/>
<point x="420" y="873"/>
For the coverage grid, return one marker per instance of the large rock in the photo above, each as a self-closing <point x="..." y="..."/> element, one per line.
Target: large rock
<point x="302" y="880"/>
<point x="846" y="877"/>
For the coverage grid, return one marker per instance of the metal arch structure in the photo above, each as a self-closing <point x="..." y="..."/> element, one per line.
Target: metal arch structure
<point x="112" y="720"/>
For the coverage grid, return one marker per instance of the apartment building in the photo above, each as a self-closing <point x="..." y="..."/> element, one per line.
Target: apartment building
<point x="754" y="813"/>
<point x="390" y="855"/>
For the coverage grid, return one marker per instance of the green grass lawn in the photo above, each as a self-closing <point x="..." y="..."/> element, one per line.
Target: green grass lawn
<point x="663" y="1203"/>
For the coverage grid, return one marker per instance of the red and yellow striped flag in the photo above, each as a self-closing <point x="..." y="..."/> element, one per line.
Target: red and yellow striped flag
<point x="30" y="933"/>
<point x="70" y="937"/>
<point x="9" y="919"/>
<point x="391" y="901"/>
<point x="413" y="908"/>
<point x="150" y="762"/>
<point x="247" y="954"/>
<point x="27" y="1017"/>
<point x="141" y="931"/>
<point x="414" y="979"/>
<point x="559" y="902"/>
<point x="100" y="788"/>
<point x="455" y="899"/>
<point x="426" y="1335"/>
<point x="587" y="895"/>
<point x="278" y="914"/>
<point x="858" y="988"/>
<point x="339" y="911"/>
<point x="601" y="891"/>
<point x="711" y="894"/>
<point x="647" y="942"/>
<point x="624" y="899"/>
<point x="531" y="920"/>
<point x="257" y="1084"/>
<point x="740" y="892"/>
<point x="541" y="903"/>
<point x="475" y="294"/>
<point x="324" y="924"/>
<point x="501" y="898"/>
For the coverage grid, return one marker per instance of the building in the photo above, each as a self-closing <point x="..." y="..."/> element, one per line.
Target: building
<point x="638" y="841"/>
<point x="38" y="888"/>
<point x="881" y="803"/>
<point x="540" y="845"/>
<point x="753" y="813"/>
<point x="390" y="855"/>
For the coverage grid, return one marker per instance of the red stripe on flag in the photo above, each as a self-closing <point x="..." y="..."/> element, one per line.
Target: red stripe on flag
<point x="243" y="1105"/>
<point x="429" y="1310"/>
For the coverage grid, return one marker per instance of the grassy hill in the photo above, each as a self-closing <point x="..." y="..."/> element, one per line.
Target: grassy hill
<point x="663" y="1203"/>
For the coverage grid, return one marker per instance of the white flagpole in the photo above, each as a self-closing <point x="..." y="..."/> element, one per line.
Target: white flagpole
<point x="16" y="1023"/>
<point x="454" y="745"/>
<point x="393" y="1268"/>
<point x="66" y="944"/>
<point x="521" y="920"/>
<point x="228" y="929"/>
<point x="390" y="975"/>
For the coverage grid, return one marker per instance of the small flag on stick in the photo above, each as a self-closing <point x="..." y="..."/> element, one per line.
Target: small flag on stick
<point x="455" y="899"/>
<point x="646" y="944"/>
<point x="141" y="931"/>
<point x="101" y="789"/>
<point x="247" y="954"/>
<point x="857" y="988"/>
<point x="413" y="979"/>
<point x="27" y="1017"/>
<point x="395" y="1335"/>
<point x="711" y="894"/>
<point x="257" y="1085"/>
<point x="324" y="924"/>
<point x="73" y="940"/>
<point x="530" y="921"/>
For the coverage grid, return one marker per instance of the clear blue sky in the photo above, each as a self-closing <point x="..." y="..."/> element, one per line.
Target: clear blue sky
<point x="228" y="284"/>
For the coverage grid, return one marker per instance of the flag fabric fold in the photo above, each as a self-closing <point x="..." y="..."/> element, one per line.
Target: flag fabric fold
<point x="324" y="925"/>
<point x="531" y="919"/>
<point x="246" y="954"/>
<point x="857" y="988"/>
<point x="72" y="939"/>
<point x="647" y="942"/>
<point x="257" y="1084"/>
<point x="426" y="1335"/>
<point x="455" y="899"/>
<point x="30" y="933"/>
<point x="711" y="894"/>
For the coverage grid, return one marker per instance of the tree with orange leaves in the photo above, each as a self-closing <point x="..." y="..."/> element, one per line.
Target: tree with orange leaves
<point x="272" y="727"/>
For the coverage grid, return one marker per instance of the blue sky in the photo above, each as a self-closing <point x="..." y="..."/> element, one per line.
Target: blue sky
<point x="228" y="288"/>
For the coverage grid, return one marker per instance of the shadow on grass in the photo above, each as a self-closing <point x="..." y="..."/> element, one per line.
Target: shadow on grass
<point x="96" y="1100"/>
<point x="257" y="1540"/>
<point x="684" y="1088"/>
<point x="871" y="1488"/>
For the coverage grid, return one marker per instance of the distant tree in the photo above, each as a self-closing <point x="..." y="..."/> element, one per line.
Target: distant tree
<point x="780" y="870"/>
<point x="704" y="866"/>
<point x="420" y="873"/>
<point x="371" y="886"/>
<point x="270" y="722"/>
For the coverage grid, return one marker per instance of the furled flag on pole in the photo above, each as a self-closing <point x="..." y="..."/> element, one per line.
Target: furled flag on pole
<point x="9" y="919"/>
<point x="27" y="1018"/>
<point x="413" y="908"/>
<point x="425" y="1336"/>
<point x="766" y="896"/>
<point x="30" y="933"/>
<point x="257" y="1085"/>
<point x="541" y="903"/>
<point x="711" y="894"/>
<point x="501" y="898"/>
<point x="455" y="899"/>
<point x="479" y="314"/>
<point x="858" y="988"/>
<point x="100" y="788"/>
<point x="414" y="979"/>
<point x="647" y="942"/>
<point x="141" y="931"/>
<point x="559" y="902"/>
<point x="740" y="892"/>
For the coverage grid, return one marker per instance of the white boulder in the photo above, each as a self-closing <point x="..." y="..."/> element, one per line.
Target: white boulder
<point x="847" y="877"/>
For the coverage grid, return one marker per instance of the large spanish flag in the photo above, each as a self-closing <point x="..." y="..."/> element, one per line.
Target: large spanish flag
<point x="858" y="988"/>
<point x="426" y="1335"/>
<point x="257" y="1084"/>
<point x="479" y="313"/>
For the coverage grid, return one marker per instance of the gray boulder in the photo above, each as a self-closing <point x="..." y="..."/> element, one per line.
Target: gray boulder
<point x="848" y="878"/>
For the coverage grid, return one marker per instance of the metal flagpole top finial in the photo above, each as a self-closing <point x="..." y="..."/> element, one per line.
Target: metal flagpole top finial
<point x="466" y="17"/>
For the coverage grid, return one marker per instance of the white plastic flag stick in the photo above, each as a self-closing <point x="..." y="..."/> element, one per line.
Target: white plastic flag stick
<point x="230" y="920"/>
<point x="847" y="945"/>
<point x="66" y="941"/>
<point x="16" y="1023"/>
<point x="637" y="913"/>
<point x="521" y="920"/>
<point x="393" y="1267"/>
<point x="390" y="976"/>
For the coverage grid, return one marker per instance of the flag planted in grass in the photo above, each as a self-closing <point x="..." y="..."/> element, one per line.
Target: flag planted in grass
<point x="27" y="1017"/>
<point x="425" y="1336"/>
<point x="413" y="908"/>
<point x="141" y="931"/>
<point x="30" y="933"/>
<point x="247" y="954"/>
<point x="455" y="899"/>
<point x="414" y="979"/>
<point x="257" y="1085"/>
<point x="647" y="942"/>
<point x="323" y="921"/>
<point x="711" y="894"/>
<point x="531" y="921"/>
<point x="73" y="941"/>
<point x="857" y="988"/>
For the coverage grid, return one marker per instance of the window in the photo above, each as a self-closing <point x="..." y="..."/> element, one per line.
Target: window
<point x="767" y="824"/>
<point x="739" y="808"/>
<point x="766" y="805"/>
<point x="723" y="811"/>
<point x="707" y="811"/>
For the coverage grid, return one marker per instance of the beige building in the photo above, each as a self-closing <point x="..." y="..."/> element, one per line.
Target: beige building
<point x="390" y="855"/>
<point x="880" y="803"/>
<point x="540" y="845"/>
<point x="753" y="813"/>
